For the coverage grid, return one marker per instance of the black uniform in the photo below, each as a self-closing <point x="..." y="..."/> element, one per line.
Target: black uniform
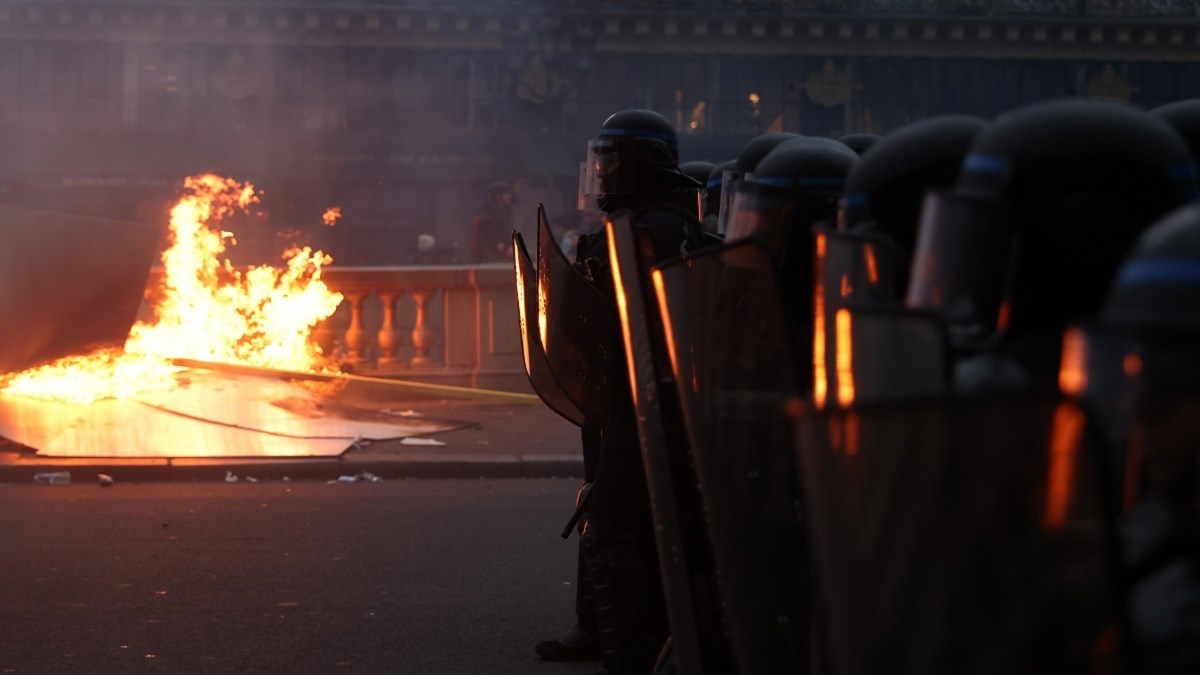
<point x="633" y="166"/>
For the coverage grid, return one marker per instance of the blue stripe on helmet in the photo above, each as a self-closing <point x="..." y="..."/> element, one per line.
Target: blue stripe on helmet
<point x="985" y="164"/>
<point x="854" y="200"/>
<point x="1160" y="270"/>
<point x="812" y="181"/>
<point x="713" y="183"/>
<point x="665" y="136"/>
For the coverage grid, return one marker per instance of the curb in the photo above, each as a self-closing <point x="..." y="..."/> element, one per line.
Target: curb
<point x="83" y="471"/>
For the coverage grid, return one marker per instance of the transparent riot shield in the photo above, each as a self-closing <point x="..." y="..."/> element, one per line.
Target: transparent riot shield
<point x="863" y="271"/>
<point x="577" y="328"/>
<point x="966" y="536"/>
<point x="733" y="359"/>
<point x="536" y="367"/>
<point x="681" y="539"/>
<point x="858" y="267"/>
<point x="72" y="283"/>
<point x="885" y="354"/>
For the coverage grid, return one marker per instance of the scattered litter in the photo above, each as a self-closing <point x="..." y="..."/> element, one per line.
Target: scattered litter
<point x="481" y="442"/>
<point x="105" y="479"/>
<point x="251" y="479"/>
<point x="286" y="479"/>
<point x="421" y="441"/>
<point x="230" y="477"/>
<point x="404" y="413"/>
<point x="360" y="477"/>
<point x="53" y="478"/>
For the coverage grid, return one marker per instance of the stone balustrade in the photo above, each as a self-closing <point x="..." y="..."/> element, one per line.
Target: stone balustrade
<point x="454" y="325"/>
<point x="445" y="324"/>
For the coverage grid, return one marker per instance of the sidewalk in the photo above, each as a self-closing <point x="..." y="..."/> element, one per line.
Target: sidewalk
<point x="495" y="440"/>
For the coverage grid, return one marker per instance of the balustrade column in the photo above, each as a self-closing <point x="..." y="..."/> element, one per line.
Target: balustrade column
<point x="420" y="333"/>
<point x="388" y="337"/>
<point x="355" y="336"/>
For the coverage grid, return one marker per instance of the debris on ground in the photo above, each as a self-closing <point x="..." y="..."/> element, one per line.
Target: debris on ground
<point x="230" y="477"/>
<point x="104" y="479"/>
<point x="360" y="477"/>
<point x="412" y="440"/>
<point x="53" y="478"/>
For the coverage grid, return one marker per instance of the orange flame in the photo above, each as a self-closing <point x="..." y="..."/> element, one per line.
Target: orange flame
<point x="208" y="311"/>
<point x="331" y="215"/>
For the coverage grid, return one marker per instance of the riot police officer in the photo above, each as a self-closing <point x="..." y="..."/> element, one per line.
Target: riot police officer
<point x="632" y="165"/>
<point x="1049" y="199"/>
<point x="1155" y="301"/>
<point x="793" y="188"/>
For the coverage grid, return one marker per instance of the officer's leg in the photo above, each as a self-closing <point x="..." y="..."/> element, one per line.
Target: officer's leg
<point x="618" y="546"/>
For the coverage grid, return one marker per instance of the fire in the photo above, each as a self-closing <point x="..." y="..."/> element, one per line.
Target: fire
<point x="207" y="310"/>
<point x="331" y="215"/>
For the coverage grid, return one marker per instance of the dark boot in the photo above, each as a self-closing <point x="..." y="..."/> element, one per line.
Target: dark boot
<point x="577" y="644"/>
<point x="623" y="628"/>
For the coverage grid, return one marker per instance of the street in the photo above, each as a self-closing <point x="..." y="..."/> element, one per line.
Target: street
<point x="405" y="576"/>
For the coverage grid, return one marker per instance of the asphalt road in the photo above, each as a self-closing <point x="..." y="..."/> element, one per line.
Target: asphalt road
<point x="407" y="576"/>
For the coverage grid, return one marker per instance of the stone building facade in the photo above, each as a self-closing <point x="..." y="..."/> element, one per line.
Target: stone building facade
<point x="399" y="112"/>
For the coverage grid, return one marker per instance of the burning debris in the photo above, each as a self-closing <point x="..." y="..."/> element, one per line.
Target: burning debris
<point x="162" y="394"/>
<point x="331" y="215"/>
<point x="205" y="309"/>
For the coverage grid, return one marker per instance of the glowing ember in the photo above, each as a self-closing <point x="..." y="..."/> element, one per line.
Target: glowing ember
<point x="331" y="215"/>
<point x="208" y="310"/>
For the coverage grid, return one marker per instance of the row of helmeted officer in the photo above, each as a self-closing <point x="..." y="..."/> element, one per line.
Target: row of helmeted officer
<point x="892" y="324"/>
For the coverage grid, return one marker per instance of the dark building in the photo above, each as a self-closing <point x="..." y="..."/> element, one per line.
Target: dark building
<point x="399" y="112"/>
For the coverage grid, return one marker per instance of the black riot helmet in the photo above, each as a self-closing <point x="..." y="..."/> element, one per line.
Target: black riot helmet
<point x="699" y="172"/>
<point x="860" y="142"/>
<point x="1184" y="117"/>
<point x="633" y="161"/>
<point x="1157" y="289"/>
<point x="794" y="187"/>
<point x="748" y="158"/>
<point x="1049" y="199"/>
<point x="885" y="189"/>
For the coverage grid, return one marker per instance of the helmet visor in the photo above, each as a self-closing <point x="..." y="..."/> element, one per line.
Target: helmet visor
<point x="960" y="266"/>
<point x="858" y="267"/>
<point x="609" y="168"/>
<point x="761" y="213"/>
<point x="729" y="182"/>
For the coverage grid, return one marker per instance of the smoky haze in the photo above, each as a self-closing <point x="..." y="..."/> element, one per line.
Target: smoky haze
<point x="108" y="106"/>
<point x="400" y="113"/>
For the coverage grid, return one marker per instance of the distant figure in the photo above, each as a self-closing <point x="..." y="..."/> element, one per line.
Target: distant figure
<point x="491" y="230"/>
